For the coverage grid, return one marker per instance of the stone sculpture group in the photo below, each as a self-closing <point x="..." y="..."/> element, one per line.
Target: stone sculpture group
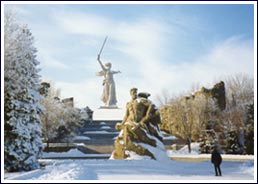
<point x="139" y="128"/>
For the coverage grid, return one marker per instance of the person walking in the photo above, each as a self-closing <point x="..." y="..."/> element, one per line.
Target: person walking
<point x="216" y="159"/>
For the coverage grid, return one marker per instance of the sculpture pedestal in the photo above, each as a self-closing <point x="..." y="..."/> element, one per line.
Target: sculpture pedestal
<point x="108" y="113"/>
<point x="108" y="107"/>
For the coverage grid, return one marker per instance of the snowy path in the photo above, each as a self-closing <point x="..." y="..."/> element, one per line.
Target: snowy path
<point x="136" y="170"/>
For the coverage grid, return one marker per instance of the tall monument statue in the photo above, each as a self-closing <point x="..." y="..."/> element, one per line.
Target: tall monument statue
<point x="109" y="89"/>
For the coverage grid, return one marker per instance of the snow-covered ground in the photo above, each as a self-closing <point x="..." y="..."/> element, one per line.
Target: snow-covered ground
<point x="73" y="153"/>
<point x="195" y="154"/>
<point x="136" y="170"/>
<point x="240" y="169"/>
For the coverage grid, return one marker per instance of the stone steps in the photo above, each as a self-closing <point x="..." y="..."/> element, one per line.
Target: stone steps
<point x="100" y="136"/>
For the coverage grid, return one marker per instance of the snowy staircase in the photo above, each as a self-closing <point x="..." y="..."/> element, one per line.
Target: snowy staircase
<point x="97" y="137"/>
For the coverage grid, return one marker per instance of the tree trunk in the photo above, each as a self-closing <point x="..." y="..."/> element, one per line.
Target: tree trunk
<point x="46" y="134"/>
<point x="47" y="145"/>
<point x="189" y="145"/>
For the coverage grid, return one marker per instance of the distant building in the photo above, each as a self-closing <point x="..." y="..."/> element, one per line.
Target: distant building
<point x="69" y="102"/>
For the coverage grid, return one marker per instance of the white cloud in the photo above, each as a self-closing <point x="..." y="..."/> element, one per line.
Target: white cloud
<point x="140" y="49"/>
<point x="143" y="44"/>
<point x="48" y="61"/>
<point x="139" y="42"/>
<point x="230" y="57"/>
<point x="81" y="91"/>
<point x="83" y="23"/>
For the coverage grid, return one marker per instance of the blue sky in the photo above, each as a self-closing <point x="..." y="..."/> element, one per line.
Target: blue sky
<point x="157" y="47"/>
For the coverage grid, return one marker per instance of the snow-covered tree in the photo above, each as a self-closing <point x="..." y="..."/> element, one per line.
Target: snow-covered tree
<point x="186" y="117"/>
<point x="240" y="94"/>
<point x="50" y="119"/>
<point x="60" y="119"/>
<point x="233" y="145"/>
<point x="176" y="120"/>
<point x="249" y="130"/>
<point x="22" y="126"/>
<point x="238" y="115"/>
<point x="208" y="139"/>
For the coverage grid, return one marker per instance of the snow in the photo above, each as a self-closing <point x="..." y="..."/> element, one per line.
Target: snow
<point x="170" y="138"/>
<point x="159" y="151"/>
<point x="134" y="170"/>
<point x="100" y="132"/>
<point x="81" y="138"/>
<point x="195" y="154"/>
<point x="75" y="153"/>
<point x="70" y="153"/>
<point x="139" y="169"/>
<point x="105" y="127"/>
<point x="184" y="151"/>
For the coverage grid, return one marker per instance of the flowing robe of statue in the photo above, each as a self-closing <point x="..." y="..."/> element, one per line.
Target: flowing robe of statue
<point x="109" y="90"/>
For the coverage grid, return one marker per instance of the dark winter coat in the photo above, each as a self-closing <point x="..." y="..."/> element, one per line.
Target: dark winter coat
<point x="216" y="157"/>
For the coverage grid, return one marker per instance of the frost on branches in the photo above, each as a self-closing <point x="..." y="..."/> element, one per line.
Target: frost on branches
<point x="22" y="126"/>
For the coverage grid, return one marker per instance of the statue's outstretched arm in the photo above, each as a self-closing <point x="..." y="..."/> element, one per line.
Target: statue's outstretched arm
<point x="114" y="72"/>
<point x="102" y="66"/>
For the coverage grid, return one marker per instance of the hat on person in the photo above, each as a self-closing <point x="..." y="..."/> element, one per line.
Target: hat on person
<point x="144" y="95"/>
